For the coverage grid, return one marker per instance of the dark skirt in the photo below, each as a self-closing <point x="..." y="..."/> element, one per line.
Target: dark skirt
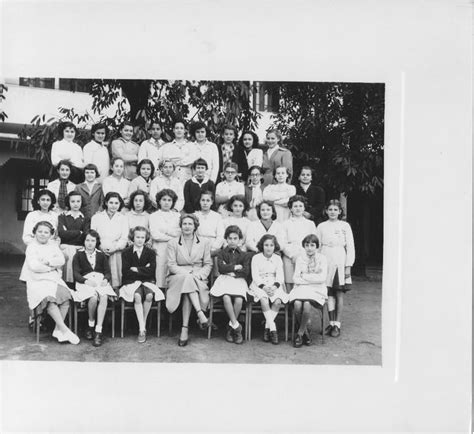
<point x="336" y="286"/>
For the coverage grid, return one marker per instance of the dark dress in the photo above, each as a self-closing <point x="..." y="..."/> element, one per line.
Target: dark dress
<point x="192" y="193"/>
<point x="316" y="198"/>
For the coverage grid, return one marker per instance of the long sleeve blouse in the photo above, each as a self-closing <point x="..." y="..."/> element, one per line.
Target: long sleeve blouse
<point x="160" y="183"/>
<point x="211" y="226"/>
<point x="164" y="225"/>
<point x="310" y="270"/>
<point x="34" y="217"/>
<point x="256" y="231"/>
<point x="66" y="150"/>
<point x="267" y="271"/>
<point x="118" y="185"/>
<point x="113" y="230"/>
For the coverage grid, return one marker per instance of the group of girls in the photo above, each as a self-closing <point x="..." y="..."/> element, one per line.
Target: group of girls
<point x="114" y="232"/>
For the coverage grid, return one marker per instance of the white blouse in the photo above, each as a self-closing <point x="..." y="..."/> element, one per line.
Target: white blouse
<point x="173" y="183"/>
<point x="34" y="217"/>
<point x="149" y="149"/>
<point x="65" y="150"/>
<point x="138" y="219"/>
<point x="118" y="185"/>
<point x="211" y="226"/>
<point x="256" y="231"/>
<point x="113" y="231"/>
<point x="95" y="153"/>
<point x="228" y="189"/>
<point x="294" y="231"/>
<point x="164" y="225"/>
<point x="267" y="271"/>
<point x="139" y="183"/>
<point x="208" y="151"/>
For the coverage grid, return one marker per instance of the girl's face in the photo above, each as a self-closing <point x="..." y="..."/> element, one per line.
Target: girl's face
<point x="228" y="136"/>
<point x="205" y="202"/>
<point x="127" y="132"/>
<point x="200" y="172"/>
<point x="113" y="205"/>
<point x="306" y="176"/>
<point x="43" y="234"/>
<point x="268" y="247"/>
<point x="238" y="208"/>
<point x="200" y="135"/>
<point x="145" y="171"/>
<point x="247" y="141"/>
<point x="117" y="168"/>
<point x="64" y="172"/>
<point x="139" y="203"/>
<point x="272" y="140"/>
<point x="139" y="238"/>
<point x="69" y="133"/>
<point x="266" y="212"/>
<point x="167" y="169"/>
<point x="233" y="241"/>
<point x="179" y="131"/>
<point x="187" y="226"/>
<point x="230" y="173"/>
<point x="255" y="177"/>
<point x="333" y="212"/>
<point x="99" y="135"/>
<point x="281" y="175"/>
<point x="310" y="248"/>
<point x="75" y="202"/>
<point x="166" y="203"/>
<point x="297" y="209"/>
<point x="89" y="175"/>
<point x="44" y="202"/>
<point x="90" y="242"/>
<point x="155" y="131"/>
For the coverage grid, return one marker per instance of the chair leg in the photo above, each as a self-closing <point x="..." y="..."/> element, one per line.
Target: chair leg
<point x="75" y="318"/>
<point x="286" y="322"/>
<point x="71" y="303"/>
<point x="250" y="322"/>
<point x="37" y="324"/>
<point x="293" y="317"/>
<point x="323" y="322"/>
<point x="170" y="323"/>
<point x="246" y="323"/>
<point x="113" y="320"/>
<point x="158" y="319"/>
<point x="211" y="317"/>
<point x="122" y="316"/>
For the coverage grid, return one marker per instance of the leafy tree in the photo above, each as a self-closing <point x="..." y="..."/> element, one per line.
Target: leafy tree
<point x="3" y="89"/>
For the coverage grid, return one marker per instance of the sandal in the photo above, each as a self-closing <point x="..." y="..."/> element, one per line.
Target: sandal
<point x="202" y="325"/>
<point x="183" y="342"/>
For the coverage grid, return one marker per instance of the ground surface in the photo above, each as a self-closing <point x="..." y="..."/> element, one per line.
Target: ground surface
<point x="359" y="343"/>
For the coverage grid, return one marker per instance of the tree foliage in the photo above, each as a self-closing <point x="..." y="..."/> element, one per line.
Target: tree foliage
<point x="338" y="129"/>
<point x="3" y="89"/>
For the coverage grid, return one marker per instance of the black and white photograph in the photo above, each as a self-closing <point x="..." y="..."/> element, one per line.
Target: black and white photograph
<point x="145" y="215"/>
<point x="247" y="216"/>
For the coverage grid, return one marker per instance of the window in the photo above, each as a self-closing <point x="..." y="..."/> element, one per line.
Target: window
<point x="266" y="97"/>
<point x="75" y="85"/>
<point x="46" y="83"/>
<point x="27" y="191"/>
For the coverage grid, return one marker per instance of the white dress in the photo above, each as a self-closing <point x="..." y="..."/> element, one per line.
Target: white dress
<point x="310" y="279"/>
<point x="208" y="151"/>
<point x="95" y="153"/>
<point x="164" y="226"/>
<point x="294" y="231"/>
<point x="37" y="216"/>
<point x="66" y="150"/>
<point x="256" y="231"/>
<point x="228" y="189"/>
<point x="183" y="156"/>
<point x="279" y="194"/>
<point x="42" y="280"/>
<point x="211" y="227"/>
<point x="117" y="185"/>
<point x="267" y="271"/>
<point x="337" y="244"/>
<point x="173" y="183"/>
<point x="113" y="234"/>
<point x="84" y="292"/>
<point x="243" y="224"/>
<point x="149" y="149"/>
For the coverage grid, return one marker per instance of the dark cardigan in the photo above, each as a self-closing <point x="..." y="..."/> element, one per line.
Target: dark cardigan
<point x="81" y="266"/>
<point x="228" y="258"/>
<point x="316" y="198"/>
<point x="192" y="194"/>
<point x="146" y="265"/>
<point x="71" y="230"/>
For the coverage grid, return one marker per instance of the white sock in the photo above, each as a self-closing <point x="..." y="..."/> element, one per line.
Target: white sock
<point x="268" y="318"/>
<point x="337" y="323"/>
<point x="98" y="329"/>
<point x="331" y="323"/>
<point x="235" y="326"/>
<point x="273" y="326"/>
<point x="91" y="323"/>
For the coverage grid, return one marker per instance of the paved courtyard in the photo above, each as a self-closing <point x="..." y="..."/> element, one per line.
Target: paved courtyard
<point x="359" y="343"/>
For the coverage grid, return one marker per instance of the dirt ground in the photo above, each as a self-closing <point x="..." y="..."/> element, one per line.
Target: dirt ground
<point x="359" y="343"/>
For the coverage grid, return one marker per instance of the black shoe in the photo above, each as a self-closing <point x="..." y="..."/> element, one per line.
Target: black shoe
<point x="97" y="340"/>
<point x="328" y="330"/>
<point x="274" y="337"/>
<point x="298" y="342"/>
<point x="238" y="338"/>
<point x="183" y="342"/>
<point x="266" y="335"/>
<point x="90" y="333"/>
<point x="229" y="334"/>
<point x="307" y="338"/>
<point x="335" y="332"/>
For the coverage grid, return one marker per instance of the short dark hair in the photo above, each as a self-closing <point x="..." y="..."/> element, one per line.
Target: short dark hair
<point x="200" y="162"/>
<point x="233" y="229"/>
<point x="136" y="193"/>
<point x="270" y="204"/>
<point x="63" y="125"/>
<point x="206" y="193"/>
<point x="92" y="233"/>
<point x="307" y="168"/>
<point x="68" y="197"/>
<point x="198" y="125"/>
<point x="311" y="238"/>
<point x="254" y="137"/>
<point x="43" y="192"/>
<point x="146" y="161"/>
<point x="99" y="126"/>
<point x="63" y="163"/>
<point x="110" y="195"/>
<point x="297" y="198"/>
<point x="44" y="223"/>
<point x="131" y="234"/>
<point x="265" y="238"/>
<point x="125" y="124"/>
<point x="238" y="198"/>
<point x="179" y="121"/>
<point x="230" y="127"/>
<point x="153" y="122"/>
<point x="189" y="216"/>
<point x="93" y="167"/>
<point x="166" y="192"/>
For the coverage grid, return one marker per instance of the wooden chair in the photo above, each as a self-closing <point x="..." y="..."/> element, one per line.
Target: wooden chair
<point x="258" y="309"/>
<point x="219" y="308"/>
<point x="323" y="311"/>
<point x="127" y="306"/>
<point x="78" y="309"/>
<point x="37" y="321"/>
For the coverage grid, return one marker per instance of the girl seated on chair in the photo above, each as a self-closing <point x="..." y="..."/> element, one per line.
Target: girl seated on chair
<point x="138" y="277"/>
<point x="310" y="287"/>
<point x="45" y="290"/>
<point x="92" y="276"/>
<point x="268" y="284"/>
<point x="231" y="285"/>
